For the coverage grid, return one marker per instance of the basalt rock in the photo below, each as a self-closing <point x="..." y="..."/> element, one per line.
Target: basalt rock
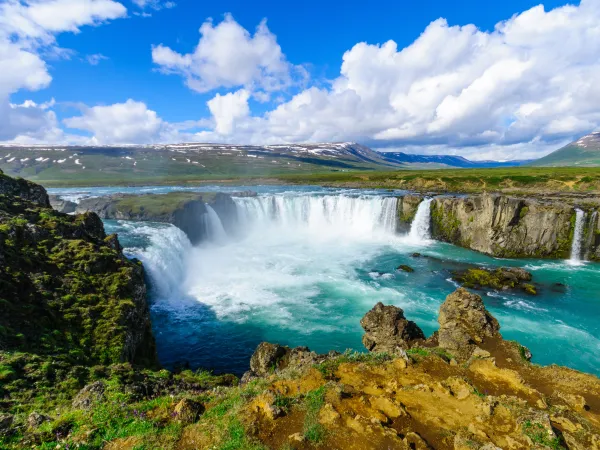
<point x="504" y="226"/>
<point x="388" y="331"/>
<point x="465" y="323"/>
<point x="407" y="209"/>
<point x="18" y="187"/>
<point x="267" y="357"/>
<point x="503" y="278"/>
<point x="61" y="205"/>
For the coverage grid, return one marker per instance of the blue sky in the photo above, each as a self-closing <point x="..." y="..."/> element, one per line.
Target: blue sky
<point x="462" y="85"/>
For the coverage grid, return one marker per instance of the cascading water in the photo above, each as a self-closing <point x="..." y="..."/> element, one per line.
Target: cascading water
<point x="329" y="214"/>
<point x="215" y="232"/>
<point x="577" y="236"/>
<point x="421" y="225"/>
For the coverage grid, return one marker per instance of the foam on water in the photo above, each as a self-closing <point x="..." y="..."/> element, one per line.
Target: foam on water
<point x="302" y="269"/>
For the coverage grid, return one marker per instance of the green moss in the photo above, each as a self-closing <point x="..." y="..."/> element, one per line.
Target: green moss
<point x="539" y="435"/>
<point x="529" y="289"/>
<point x="523" y="212"/>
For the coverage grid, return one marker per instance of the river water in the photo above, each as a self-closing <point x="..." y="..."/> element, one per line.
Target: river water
<point x="303" y="265"/>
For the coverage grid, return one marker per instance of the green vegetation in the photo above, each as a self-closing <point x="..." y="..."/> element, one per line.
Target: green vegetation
<point x="539" y="435"/>
<point x="330" y="366"/>
<point x="156" y="205"/>
<point x="313" y="402"/>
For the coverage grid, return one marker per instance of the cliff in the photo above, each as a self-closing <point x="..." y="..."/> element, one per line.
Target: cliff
<point x="186" y="210"/>
<point x="68" y="295"/>
<point x="505" y="226"/>
<point x="407" y="208"/>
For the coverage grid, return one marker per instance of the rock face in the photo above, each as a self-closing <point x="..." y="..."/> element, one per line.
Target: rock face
<point x="503" y="226"/>
<point x="591" y="238"/>
<point x="63" y="206"/>
<point x="465" y="323"/>
<point x="24" y="189"/>
<point x="186" y="210"/>
<point x="90" y="394"/>
<point x="266" y="358"/>
<point x="388" y="331"/>
<point x="407" y="208"/>
<point x="68" y="291"/>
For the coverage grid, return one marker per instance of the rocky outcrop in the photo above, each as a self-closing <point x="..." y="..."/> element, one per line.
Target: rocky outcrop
<point x="27" y="190"/>
<point x="503" y="279"/>
<point x="61" y="205"/>
<point x="504" y="226"/>
<point x="465" y="323"/>
<point x="407" y="208"/>
<point x="388" y="331"/>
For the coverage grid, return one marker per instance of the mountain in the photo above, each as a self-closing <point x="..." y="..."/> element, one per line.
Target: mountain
<point x="141" y="164"/>
<point x="584" y="152"/>
<point x="446" y="160"/>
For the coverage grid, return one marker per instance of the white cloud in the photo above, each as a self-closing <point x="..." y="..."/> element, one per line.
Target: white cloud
<point x="121" y="123"/>
<point x="227" y="55"/>
<point x="229" y="108"/>
<point x="530" y="84"/>
<point x="95" y="59"/>
<point x="154" y="4"/>
<point x="37" y="21"/>
<point x="28" y="122"/>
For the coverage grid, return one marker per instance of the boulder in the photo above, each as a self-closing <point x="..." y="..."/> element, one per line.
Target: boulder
<point x="387" y="330"/>
<point x="405" y="268"/>
<point x="90" y="394"/>
<point x="35" y="420"/>
<point x="503" y="278"/>
<point x="465" y="323"/>
<point x="6" y="422"/>
<point x="266" y="358"/>
<point x="187" y="411"/>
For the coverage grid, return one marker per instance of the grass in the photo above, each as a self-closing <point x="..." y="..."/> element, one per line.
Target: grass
<point x="539" y="435"/>
<point x="329" y="367"/>
<point x="313" y="402"/>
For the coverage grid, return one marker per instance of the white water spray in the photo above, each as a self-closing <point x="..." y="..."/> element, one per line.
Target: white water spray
<point x="334" y="215"/>
<point x="215" y="233"/>
<point x="420" y="229"/>
<point x="577" y="236"/>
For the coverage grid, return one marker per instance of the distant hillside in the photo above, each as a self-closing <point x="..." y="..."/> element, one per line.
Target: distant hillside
<point x="583" y="153"/>
<point x="446" y="160"/>
<point x="192" y="162"/>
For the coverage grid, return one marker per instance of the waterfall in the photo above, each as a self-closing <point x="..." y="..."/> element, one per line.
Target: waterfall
<point x="164" y="258"/>
<point x="577" y="236"/>
<point x="214" y="228"/>
<point x="421" y="225"/>
<point x="334" y="214"/>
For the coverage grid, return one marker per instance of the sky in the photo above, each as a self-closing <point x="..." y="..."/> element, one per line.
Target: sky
<point x="512" y="80"/>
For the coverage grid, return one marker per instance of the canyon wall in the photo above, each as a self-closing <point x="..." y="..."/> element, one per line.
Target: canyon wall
<point x="504" y="226"/>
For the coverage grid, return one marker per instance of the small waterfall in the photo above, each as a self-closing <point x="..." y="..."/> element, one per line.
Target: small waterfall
<point x="214" y="228"/>
<point x="420" y="228"/>
<point x="389" y="215"/>
<point x="577" y="236"/>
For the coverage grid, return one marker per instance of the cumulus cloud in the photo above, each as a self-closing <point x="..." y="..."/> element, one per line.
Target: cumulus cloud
<point x="229" y="108"/>
<point x="28" y="122"/>
<point x="526" y="87"/>
<point x="129" y="122"/>
<point x="227" y="55"/>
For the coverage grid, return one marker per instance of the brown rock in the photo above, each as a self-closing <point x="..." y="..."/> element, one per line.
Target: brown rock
<point x="266" y="358"/>
<point x="35" y="420"/>
<point x="464" y="322"/>
<point x="387" y="330"/>
<point x="89" y="395"/>
<point x="187" y="411"/>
